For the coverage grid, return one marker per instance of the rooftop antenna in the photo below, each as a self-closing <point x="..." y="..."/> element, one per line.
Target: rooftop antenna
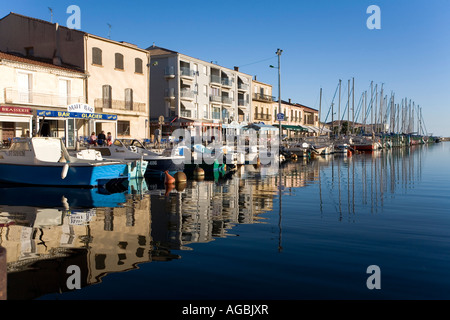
<point x="109" y="31"/>
<point x="51" y="14"/>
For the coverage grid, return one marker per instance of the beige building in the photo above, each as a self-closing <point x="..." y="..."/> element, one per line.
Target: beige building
<point x="117" y="83"/>
<point x="27" y="86"/>
<point x="262" y="103"/>
<point x="299" y="120"/>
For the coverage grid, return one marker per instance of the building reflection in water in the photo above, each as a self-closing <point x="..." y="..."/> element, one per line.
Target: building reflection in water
<point x="45" y="230"/>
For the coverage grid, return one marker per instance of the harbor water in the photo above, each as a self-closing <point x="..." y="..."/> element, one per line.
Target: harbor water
<point x="310" y="231"/>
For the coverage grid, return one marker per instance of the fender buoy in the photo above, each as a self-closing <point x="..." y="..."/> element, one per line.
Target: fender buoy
<point x="64" y="171"/>
<point x="180" y="177"/>
<point x="168" y="178"/>
<point x="199" y="172"/>
<point x="349" y="153"/>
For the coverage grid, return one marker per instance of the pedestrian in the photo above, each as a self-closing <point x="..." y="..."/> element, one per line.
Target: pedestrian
<point x="158" y="137"/>
<point x="101" y="138"/>
<point x="93" y="139"/>
<point x="109" y="139"/>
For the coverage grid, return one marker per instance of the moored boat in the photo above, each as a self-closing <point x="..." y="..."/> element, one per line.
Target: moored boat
<point x="45" y="161"/>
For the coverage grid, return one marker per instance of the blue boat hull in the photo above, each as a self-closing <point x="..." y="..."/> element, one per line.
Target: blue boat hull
<point x="77" y="176"/>
<point x="156" y="169"/>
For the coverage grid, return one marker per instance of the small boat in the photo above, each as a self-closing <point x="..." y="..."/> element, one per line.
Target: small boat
<point x="45" y="161"/>
<point x="203" y="157"/>
<point x="169" y="160"/>
<point x="136" y="165"/>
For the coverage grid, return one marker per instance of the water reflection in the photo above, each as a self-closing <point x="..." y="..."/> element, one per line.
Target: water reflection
<point x="45" y="230"/>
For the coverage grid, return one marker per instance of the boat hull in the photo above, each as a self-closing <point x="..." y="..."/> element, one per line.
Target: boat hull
<point x="157" y="167"/>
<point x="51" y="175"/>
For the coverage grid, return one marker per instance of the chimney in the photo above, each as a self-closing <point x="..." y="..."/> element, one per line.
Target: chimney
<point x="236" y="69"/>
<point x="56" y="56"/>
<point x="255" y="77"/>
<point x="289" y="100"/>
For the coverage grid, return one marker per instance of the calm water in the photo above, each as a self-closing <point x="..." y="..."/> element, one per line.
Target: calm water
<point x="233" y="239"/>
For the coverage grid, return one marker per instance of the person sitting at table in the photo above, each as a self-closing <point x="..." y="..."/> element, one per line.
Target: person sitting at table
<point x="101" y="138"/>
<point x="93" y="139"/>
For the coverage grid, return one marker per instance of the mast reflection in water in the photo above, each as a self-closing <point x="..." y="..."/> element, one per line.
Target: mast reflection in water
<point x="222" y="238"/>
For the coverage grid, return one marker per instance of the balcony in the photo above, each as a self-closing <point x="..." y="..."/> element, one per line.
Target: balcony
<point x="187" y="72"/>
<point x="263" y="97"/>
<point x="169" y="93"/>
<point x="215" y="79"/>
<point x="214" y="98"/>
<point x="243" y="86"/>
<point x="226" y="82"/>
<point x="187" y="94"/>
<point x="227" y="100"/>
<point x="263" y="117"/>
<point x="242" y="102"/>
<point x="169" y="72"/>
<point x="120" y="106"/>
<point x="186" y="113"/>
<point x="32" y="97"/>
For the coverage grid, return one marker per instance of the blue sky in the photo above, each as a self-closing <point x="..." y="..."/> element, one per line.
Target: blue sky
<point x="322" y="41"/>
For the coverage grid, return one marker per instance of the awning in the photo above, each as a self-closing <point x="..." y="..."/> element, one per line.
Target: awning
<point x="260" y="127"/>
<point x="243" y="79"/>
<point x="188" y="105"/>
<point x="293" y="128"/>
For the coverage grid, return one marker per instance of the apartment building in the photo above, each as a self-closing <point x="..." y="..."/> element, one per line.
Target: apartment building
<point x="262" y="103"/>
<point x="28" y="86"/>
<point x="195" y="94"/>
<point x="116" y="84"/>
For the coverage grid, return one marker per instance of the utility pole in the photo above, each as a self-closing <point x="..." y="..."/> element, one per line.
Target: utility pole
<point x="353" y="105"/>
<point x="320" y="110"/>
<point x="339" y="110"/>
<point x="348" y="108"/>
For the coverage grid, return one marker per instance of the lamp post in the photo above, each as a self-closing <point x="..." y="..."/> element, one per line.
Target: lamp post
<point x="280" y="184"/>
<point x="278" y="53"/>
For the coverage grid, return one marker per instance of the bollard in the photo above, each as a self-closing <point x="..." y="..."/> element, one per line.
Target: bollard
<point x="3" y="274"/>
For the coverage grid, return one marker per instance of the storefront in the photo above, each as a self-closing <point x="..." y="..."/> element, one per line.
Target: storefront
<point x="15" y="122"/>
<point x="76" y="126"/>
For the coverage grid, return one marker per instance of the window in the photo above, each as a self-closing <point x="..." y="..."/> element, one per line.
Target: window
<point x="205" y="90"/>
<point x="119" y="61"/>
<point x="97" y="56"/>
<point x="123" y="128"/>
<point x="128" y="99"/>
<point x="205" y="70"/>
<point x="64" y="92"/>
<point x="107" y="96"/>
<point x="138" y="65"/>
<point x="25" y="87"/>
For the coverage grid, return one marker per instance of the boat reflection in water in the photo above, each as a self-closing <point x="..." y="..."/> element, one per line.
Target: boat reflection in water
<point x="46" y="230"/>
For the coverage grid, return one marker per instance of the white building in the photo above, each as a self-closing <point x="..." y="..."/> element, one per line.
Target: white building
<point x="195" y="94"/>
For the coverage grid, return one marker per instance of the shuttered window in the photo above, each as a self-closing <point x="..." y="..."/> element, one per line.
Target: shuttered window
<point x="129" y="99"/>
<point x="107" y="96"/>
<point x="119" y="61"/>
<point x="138" y="65"/>
<point x="97" y="56"/>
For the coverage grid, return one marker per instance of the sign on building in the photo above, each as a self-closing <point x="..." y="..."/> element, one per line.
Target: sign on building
<point x="280" y="116"/>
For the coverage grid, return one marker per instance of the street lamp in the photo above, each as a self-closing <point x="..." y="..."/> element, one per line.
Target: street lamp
<point x="278" y="53"/>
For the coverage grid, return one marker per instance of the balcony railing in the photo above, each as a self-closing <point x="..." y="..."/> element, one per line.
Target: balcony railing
<point x="215" y="98"/>
<point x="227" y="100"/>
<point x="226" y="82"/>
<point x="242" y="102"/>
<point x="169" y="93"/>
<point x="216" y="79"/>
<point x="119" y="105"/>
<point x="39" y="98"/>
<point x="263" y="97"/>
<point x="169" y="72"/>
<point x="266" y="117"/>
<point x="187" y="72"/>
<point x="242" y="86"/>
<point x="186" y="113"/>
<point x="215" y="115"/>
<point x="187" y="94"/>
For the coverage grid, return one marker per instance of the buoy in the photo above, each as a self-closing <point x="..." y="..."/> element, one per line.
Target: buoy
<point x="180" y="186"/>
<point x="199" y="172"/>
<point x="180" y="177"/>
<point x="169" y="188"/>
<point x="349" y="153"/>
<point x="168" y="178"/>
<point x="258" y="161"/>
<point x="64" y="171"/>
